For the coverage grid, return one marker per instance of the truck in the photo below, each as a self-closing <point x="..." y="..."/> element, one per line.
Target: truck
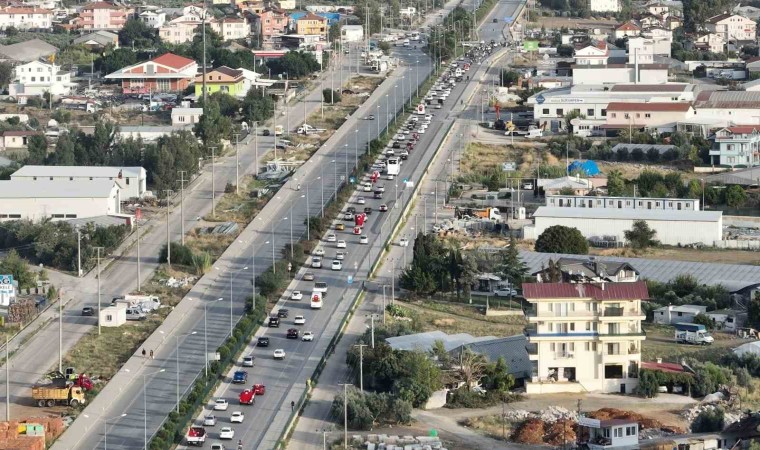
<point x="196" y="436"/>
<point x="51" y="396"/>
<point x="147" y="303"/>
<point x="308" y="129"/>
<point x="486" y="213"/>
<point x="692" y="333"/>
<point x="316" y="300"/>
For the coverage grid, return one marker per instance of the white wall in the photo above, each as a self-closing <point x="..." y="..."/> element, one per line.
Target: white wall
<point x="41" y="208"/>
<point x="668" y="232"/>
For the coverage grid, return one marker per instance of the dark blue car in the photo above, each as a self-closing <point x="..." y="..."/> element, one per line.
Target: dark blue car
<point x="240" y="377"/>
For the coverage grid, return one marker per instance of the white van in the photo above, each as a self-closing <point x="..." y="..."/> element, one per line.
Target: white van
<point x="316" y="300"/>
<point x="135" y="313"/>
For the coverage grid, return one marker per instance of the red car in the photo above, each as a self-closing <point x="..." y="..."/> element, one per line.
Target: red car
<point x="259" y="389"/>
<point x="247" y="397"/>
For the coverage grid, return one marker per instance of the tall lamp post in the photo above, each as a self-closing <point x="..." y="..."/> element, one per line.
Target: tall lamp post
<point x="205" y="332"/>
<point x="145" y="404"/>
<point x="176" y="338"/>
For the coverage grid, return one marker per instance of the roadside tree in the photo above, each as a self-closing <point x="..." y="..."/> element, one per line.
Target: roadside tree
<point x="562" y="239"/>
<point x="640" y="236"/>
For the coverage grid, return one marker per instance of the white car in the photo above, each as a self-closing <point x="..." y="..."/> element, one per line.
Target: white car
<point x="237" y="417"/>
<point x="318" y="252"/>
<point x="296" y="295"/>
<point x="340" y="256"/>
<point x="403" y="242"/>
<point x="217" y="446"/>
<point x="226" y="433"/>
<point x="364" y="240"/>
<point x="248" y="361"/>
<point x="421" y="130"/>
<point x="299" y="320"/>
<point x="307" y="336"/>
<point x="331" y="238"/>
<point x="316" y="262"/>
<point x="380" y="188"/>
<point x="221" y="405"/>
<point x="341" y="244"/>
<point x="348" y="216"/>
<point x="360" y="201"/>
<point x="336" y="265"/>
<point x="367" y="187"/>
<point x="279" y="354"/>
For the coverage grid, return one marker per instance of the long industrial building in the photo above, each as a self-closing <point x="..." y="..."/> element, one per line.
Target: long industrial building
<point x="58" y="200"/>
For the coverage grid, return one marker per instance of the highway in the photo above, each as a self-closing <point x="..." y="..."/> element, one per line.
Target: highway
<point x="144" y="393"/>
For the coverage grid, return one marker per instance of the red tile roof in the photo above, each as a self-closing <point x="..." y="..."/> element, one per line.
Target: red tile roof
<point x="628" y="26"/>
<point x="651" y="106"/>
<point x="600" y="291"/>
<point x="312" y="16"/>
<point x="663" y="367"/>
<point x="100" y="5"/>
<point x="173" y="61"/>
<point x="744" y="129"/>
<point x="21" y="133"/>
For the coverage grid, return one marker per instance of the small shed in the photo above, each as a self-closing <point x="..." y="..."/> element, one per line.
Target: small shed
<point x="727" y="319"/>
<point x="114" y="316"/>
<point x="671" y="314"/>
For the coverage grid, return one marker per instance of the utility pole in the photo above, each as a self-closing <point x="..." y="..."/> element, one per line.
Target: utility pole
<point x="361" y="365"/>
<point x="98" y="249"/>
<point x="237" y="164"/>
<point x="213" y="175"/>
<point x="182" y="204"/>
<point x="345" y="414"/>
<point x="372" y="329"/>
<point x="168" y="193"/>
<point x="60" y="332"/>
<point x="138" y="216"/>
<point x="7" y="381"/>
<point x="203" y="27"/>
<point x="256" y="146"/>
<point x="79" y="250"/>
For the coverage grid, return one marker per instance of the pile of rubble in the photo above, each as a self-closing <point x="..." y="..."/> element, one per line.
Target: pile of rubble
<point x="177" y="282"/>
<point x="729" y="416"/>
<point x="386" y="442"/>
<point x="549" y="415"/>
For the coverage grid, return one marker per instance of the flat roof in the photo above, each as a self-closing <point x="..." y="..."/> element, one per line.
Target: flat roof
<point x="77" y="171"/>
<point x="629" y="214"/>
<point x="55" y="189"/>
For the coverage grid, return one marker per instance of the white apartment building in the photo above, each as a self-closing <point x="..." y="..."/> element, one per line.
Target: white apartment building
<point x="711" y="42"/>
<point x="407" y="12"/>
<point x="231" y="28"/>
<point x="732" y="27"/>
<point x="595" y="63"/>
<point x="726" y="108"/>
<point x="645" y="50"/>
<point x="25" y="18"/>
<point x="36" y="77"/>
<point x="584" y="337"/>
<point x="604" y="5"/>
<point x="154" y="19"/>
<point x="736" y="146"/>
<point x="58" y="200"/>
<point x="131" y="181"/>
<point x="581" y="201"/>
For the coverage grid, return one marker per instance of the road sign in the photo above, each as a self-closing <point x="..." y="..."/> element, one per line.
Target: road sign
<point x="406" y="180"/>
<point x="6" y="285"/>
<point x="350" y="279"/>
<point x="352" y="180"/>
<point x="530" y="46"/>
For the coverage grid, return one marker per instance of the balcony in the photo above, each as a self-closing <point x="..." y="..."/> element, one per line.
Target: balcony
<point x="633" y="350"/>
<point x="559" y="315"/>
<point x="616" y="334"/>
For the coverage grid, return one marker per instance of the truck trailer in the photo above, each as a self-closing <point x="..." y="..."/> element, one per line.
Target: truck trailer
<point x="51" y="396"/>
<point x="692" y="333"/>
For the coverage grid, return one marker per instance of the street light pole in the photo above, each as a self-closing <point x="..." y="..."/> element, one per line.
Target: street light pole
<point x="168" y="235"/>
<point x="256" y="146"/>
<point x="177" y="357"/>
<point x="356" y="149"/>
<point x="98" y="249"/>
<point x="237" y="164"/>
<point x="145" y="405"/>
<point x="361" y="365"/>
<point x="182" y="204"/>
<point x="291" y="231"/>
<point x="60" y="332"/>
<point x="345" y="414"/>
<point x="79" y="252"/>
<point x="213" y="177"/>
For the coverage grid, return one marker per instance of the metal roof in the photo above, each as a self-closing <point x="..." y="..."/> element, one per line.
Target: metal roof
<point x="690" y="309"/>
<point x="629" y="214"/>
<point x="511" y="348"/>
<point x="425" y="341"/>
<point x="644" y="147"/>
<point x="55" y="189"/>
<point x="600" y="291"/>
<point x="745" y="177"/>
<point x="77" y="171"/>
<point x="732" y="276"/>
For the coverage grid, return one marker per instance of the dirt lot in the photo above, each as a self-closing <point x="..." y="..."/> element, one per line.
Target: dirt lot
<point x="570" y="22"/>
<point x="686" y="254"/>
<point x="659" y="344"/>
<point x="453" y="318"/>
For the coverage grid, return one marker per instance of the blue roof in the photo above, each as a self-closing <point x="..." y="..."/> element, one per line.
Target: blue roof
<point x="588" y="168"/>
<point x="332" y="18"/>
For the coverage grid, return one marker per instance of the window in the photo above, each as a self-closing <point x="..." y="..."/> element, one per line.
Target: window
<point x="109" y="318"/>
<point x="638" y="115"/>
<point x="71" y="178"/>
<point x="14" y="216"/>
<point x="618" y="431"/>
<point x="588" y="346"/>
<point x="680" y="314"/>
<point x="647" y="115"/>
<point x="590" y="112"/>
<point x="613" y="371"/>
<point x="588" y="326"/>
<point x="572" y="326"/>
<point x="552" y="347"/>
<point x="560" y="112"/>
<point x="34" y="79"/>
<point x="71" y="216"/>
<point x="57" y="216"/>
<point x="613" y="115"/>
<point x="630" y="431"/>
<point x="626" y="116"/>
<point x="545" y="111"/>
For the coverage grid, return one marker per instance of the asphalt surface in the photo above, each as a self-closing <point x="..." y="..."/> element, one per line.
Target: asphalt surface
<point x="318" y="179"/>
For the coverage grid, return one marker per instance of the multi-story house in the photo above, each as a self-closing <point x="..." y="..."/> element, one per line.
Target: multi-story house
<point x="575" y="270"/>
<point x="101" y="16"/>
<point x="154" y="19"/>
<point x="36" y="78"/>
<point x="179" y="31"/>
<point x="662" y="117"/>
<point x="312" y="24"/>
<point x="604" y="5"/>
<point x="732" y="27"/>
<point x="270" y="23"/>
<point x="25" y="18"/>
<point x="736" y="146"/>
<point x="231" y="28"/>
<point x="222" y="79"/>
<point x="584" y="337"/>
<point x="711" y="42"/>
<point x="165" y="73"/>
<point x="627" y="29"/>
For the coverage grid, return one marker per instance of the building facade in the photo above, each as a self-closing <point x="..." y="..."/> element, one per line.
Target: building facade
<point x="130" y="180"/>
<point x="165" y="73"/>
<point x="231" y="28"/>
<point x="672" y="314"/>
<point x="604" y="5"/>
<point x="17" y="139"/>
<point x="732" y="27"/>
<point x="179" y="32"/>
<point x="58" y="200"/>
<point x="36" y="78"/>
<point x="312" y="24"/>
<point x="711" y="42"/>
<point x="577" y="201"/>
<point x="154" y="19"/>
<point x="584" y="337"/>
<point x="270" y="23"/>
<point x="662" y="117"/>
<point x="736" y="146"/>
<point x="351" y="33"/>
<point x="223" y="79"/>
<point x="25" y="18"/>
<point x="102" y="16"/>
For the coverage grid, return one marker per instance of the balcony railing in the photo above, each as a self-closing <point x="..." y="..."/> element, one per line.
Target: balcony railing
<point x="613" y="311"/>
<point x="563" y="355"/>
<point x="559" y="314"/>
<point x="622" y="352"/>
<point x="622" y="333"/>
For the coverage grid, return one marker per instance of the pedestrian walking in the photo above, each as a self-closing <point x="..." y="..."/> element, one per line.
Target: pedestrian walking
<point x="151" y="354"/>
<point x="143" y="352"/>
<point x="292" y="405"/>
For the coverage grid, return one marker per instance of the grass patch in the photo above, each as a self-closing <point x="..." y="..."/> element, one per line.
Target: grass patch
<point x="239" y="206"/>
<point x="660" y="344"/>
<point x="452" y="318"/>
<point x="491" y="425"/>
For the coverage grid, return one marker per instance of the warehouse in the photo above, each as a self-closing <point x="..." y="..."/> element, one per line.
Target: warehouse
<point x="672" y="227"/>
<point x="131" y="180"/>
<point x="57" y="199"/>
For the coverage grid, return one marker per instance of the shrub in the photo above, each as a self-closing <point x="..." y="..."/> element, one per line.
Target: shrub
<point x="709" y="421"/>
<point x="229" y="188"/>
<point x="562" y="239"/>
<point x="181" y="254"/>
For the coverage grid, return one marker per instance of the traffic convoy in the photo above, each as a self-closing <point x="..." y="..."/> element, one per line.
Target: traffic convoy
<point x="346" y="234"/>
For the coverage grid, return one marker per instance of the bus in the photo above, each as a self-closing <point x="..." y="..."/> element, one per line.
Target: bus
<point x="393" y="166"/>
<point x="316" y="300"/>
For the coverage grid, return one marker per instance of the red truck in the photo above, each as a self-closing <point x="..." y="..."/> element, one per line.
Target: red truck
<point x="248" y="396"/>
<point x="359" y="220"/>
<point x="196" y="436"/>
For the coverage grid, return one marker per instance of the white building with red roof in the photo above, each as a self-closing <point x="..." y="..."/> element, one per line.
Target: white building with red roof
<point x="627" y="29"/>
<point x="732" y="27"/>
<point x="165" y="73"/>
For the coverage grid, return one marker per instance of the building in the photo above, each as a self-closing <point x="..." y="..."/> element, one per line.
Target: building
<point x="231" y="28"/>
<point x="17" y="139"/>
<point x="604" y="5"/>
<point x="186" y="116"/>
<point x="351" y="33"/>
<point x="410" y="11"/>
<point x="627" y="29"/>
<point x="165" y="73"/>
<point x="101" y="16"/>
<point x="114" y="316"/>
<point x="131" y="181"/>
<point x="98" y="40"/>
<point x="312" y="24"/>
<point x="57" y="200"/>
<point x="26" y="18"/>
<point x="575" y="201"/>
<point x="154" y="19"/>
<point x="610" y="434"/>
<point x="717" y="109"/>
<point x="662" y="117"/>
<point x="179" y="31"/>
<point x="736" y="146"/>
<point x="672" y="314"/>
<point x="727" y="319"/>
<point x="512" y="349"/>
<point x="36" y="78"/>
<point x="732" y="27"/>
<point x="222" y="79"/>
<point x="27" y="51"/>
<point x="580" y="186"/>
<point x="591" y="270"/>
<point x="596" y="62"/>
<point x="711" y="42"/>
<point x="584" y="337"/>
<point x="653" y="44"/>
<point x="270" y="23"/>
<point x="147" y="133"/>
<point x="609" y="225"/>
<point x="254" y="79"/>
